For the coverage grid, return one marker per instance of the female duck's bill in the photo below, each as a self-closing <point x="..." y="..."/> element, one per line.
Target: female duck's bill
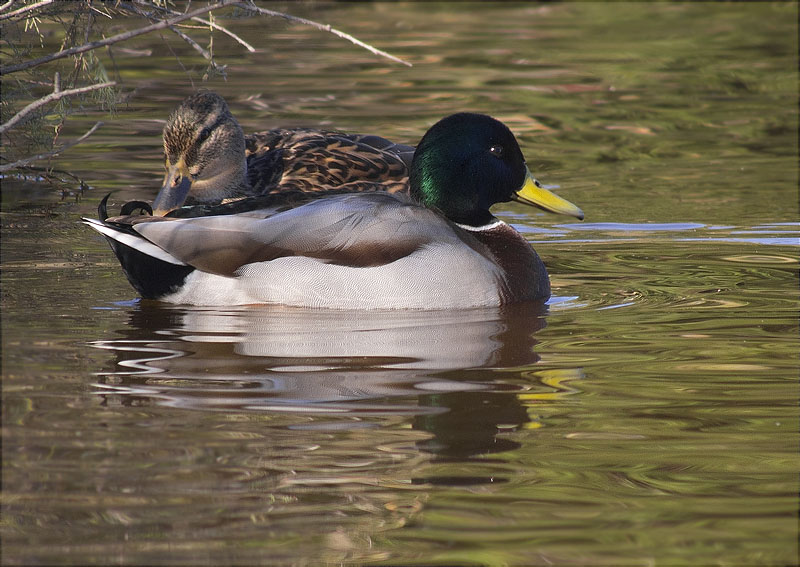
<point x="437" y="248"/>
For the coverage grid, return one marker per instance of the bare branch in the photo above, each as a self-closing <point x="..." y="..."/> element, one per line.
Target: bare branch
<point x="191" y="42"/>
<point x="6" y="5"/>
<point x="218" y="27"/>
<point x="24" y="9"/>
<point x="206" y="23"/>
<point x="114" y="39"/>
<point x="63" y="148"/>
<point x="323" y="27"/>
<point x="194" y="45"/>
<point x="177" y="19"/>
<point x="55" y="95"/>
<point x="106" y="14"/>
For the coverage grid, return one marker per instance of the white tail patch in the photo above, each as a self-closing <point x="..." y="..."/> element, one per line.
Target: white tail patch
<point x="131" y="241"/>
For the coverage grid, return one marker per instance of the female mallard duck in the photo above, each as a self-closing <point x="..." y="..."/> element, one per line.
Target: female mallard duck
<point x="437" y="248"/>
<point x="209" y="160"/>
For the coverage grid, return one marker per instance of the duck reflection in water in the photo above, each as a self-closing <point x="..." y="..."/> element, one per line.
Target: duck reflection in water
<point x="441" y="367"/>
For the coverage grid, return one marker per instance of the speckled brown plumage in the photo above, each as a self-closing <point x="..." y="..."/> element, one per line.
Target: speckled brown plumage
<point x="317" y="160"/>
<point x="210" y="161"/>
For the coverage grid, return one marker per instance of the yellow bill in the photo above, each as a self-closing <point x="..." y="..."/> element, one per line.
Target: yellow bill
<point x="532" y="193"/>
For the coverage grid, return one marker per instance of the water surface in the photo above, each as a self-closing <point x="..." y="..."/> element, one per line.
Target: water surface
<point x="646" y="415"/>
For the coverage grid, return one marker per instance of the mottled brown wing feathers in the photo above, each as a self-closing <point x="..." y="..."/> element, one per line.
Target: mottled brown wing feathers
<point x="314" y="161"/>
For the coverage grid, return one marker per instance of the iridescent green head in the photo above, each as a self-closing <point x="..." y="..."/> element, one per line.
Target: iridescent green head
<point x="468" y="162"/>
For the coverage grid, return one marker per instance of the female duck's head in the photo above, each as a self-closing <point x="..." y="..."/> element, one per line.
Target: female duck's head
<point x="204" y="148"/>
<point x="468" y="162"/>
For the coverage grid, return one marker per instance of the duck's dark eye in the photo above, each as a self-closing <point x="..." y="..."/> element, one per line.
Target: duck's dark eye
<point x="204" y="135"/>
<point x="496" y="150"/>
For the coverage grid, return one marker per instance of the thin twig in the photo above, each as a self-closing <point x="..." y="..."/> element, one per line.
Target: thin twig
<point x="289" y="17"/>
<point x="24" y="9"/>
<point x="323" y="27"/>
<point x="226" y="31"/>
<point x="6" y="5"/>
<point x="55" y="95"/>
<point x="114" y="39"/>
<point x="194" y="45"/>
<point x="177" y="59"/>
<point x="177" y="19"/>
<point x="206" y="23"/>
<point x="107" y="15"/>
<point x="63" y="148"/>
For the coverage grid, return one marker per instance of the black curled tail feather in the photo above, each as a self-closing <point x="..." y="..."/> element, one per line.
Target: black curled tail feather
<point x="127" y="209"/>
<point x="131" y="206"/>
<point x="102" y="208"/>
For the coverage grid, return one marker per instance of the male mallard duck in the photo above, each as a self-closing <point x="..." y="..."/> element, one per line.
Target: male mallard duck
<point x="438" y="247"/>
<point x="209" y="159"/>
